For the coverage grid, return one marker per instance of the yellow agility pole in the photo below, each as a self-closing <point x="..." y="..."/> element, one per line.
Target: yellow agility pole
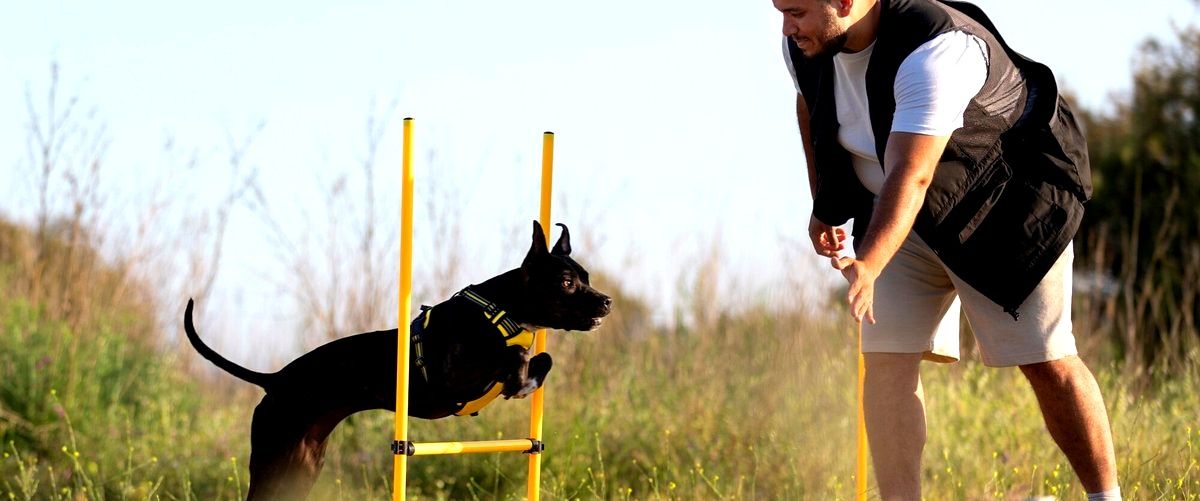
<point x="401" y="446"/>
<point x="860" y="467"/>
<point x="404" y="306"/>
<point x="539" y="340"/>
<point x="435" y="448"/>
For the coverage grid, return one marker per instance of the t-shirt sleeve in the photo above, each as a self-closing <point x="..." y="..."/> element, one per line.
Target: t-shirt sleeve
<point x="937" y="81"/>
<point x="787" y="58"/>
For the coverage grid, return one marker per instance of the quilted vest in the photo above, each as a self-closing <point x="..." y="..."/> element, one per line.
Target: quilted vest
<point x="1009" y="191"/>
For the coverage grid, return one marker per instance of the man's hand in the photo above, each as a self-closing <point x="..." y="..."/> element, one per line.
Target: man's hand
<point x="862" y="286"/>
<point x="911" y="160"/>
<point x="826" y="239"/>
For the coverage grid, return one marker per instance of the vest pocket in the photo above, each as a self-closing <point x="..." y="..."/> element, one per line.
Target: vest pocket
<point x="964" y="197"/>
<point x="1000" y="178"/>
<point x="1023" y="217"/>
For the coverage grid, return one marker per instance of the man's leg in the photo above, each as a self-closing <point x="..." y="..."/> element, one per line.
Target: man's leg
<point x="895" y="414"/>
<point x="1074" y="412"/>
<point x="913" y="295"/>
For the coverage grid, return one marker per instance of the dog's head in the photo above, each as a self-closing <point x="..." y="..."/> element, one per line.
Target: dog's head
<point x="559" y="295"/>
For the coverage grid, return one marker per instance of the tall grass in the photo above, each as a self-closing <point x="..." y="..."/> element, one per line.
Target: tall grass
<point x="89" y="406"/>
<point x="761" y="405"/>
<point x="754" y="404"/>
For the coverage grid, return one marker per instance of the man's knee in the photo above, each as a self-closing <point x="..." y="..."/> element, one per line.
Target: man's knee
<point x="1044" y="369"/>
<point x="1055" y="372"/>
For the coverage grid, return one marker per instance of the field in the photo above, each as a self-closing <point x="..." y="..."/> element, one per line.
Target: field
<point x="750" y="404"/>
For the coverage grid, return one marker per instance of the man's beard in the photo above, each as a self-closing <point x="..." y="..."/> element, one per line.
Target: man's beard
<point x="828" y="48"/>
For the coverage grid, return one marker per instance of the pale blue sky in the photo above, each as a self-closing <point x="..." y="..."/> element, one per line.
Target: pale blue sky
<point x="674" y="119"/>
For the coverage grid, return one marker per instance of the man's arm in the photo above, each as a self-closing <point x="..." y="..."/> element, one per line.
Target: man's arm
<point x="826" y="239"/>
<point x="910" y="160"/>
<point x="806" y="138"/>
<point x="933" y="87"/>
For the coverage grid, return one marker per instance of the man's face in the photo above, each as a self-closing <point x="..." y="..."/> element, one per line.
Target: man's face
<point x="813" y="25"/>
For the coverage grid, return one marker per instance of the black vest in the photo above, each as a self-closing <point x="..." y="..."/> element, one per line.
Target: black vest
<point x="1008" y="192"/>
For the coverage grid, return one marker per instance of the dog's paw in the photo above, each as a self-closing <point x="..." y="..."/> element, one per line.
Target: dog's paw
<point x="539" y="366"/>
<point x="531" y="376"/>
<point x="527" y="389"/>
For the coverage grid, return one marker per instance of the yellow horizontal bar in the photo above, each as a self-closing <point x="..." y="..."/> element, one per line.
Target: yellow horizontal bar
<point x="432" y="448"/>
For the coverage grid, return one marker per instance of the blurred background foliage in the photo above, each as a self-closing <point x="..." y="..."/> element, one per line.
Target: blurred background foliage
<point x="1141" y="235"/>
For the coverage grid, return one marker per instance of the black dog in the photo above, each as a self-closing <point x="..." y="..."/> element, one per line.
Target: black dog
<point x="465" y="352"/>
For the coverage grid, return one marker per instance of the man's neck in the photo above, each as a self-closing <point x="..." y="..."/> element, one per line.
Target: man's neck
<point x="862" y="33"/>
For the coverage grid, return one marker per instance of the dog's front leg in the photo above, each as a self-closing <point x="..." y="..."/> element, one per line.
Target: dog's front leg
<point x="527" y="375"/>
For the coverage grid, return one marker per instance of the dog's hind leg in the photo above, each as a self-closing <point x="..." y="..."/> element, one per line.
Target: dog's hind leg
<point x="287" y="450"/>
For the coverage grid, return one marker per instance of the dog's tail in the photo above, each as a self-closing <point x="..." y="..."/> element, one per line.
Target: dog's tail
<point x="258" y="378"/>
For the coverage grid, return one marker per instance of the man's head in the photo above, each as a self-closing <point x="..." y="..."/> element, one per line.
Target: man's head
<point x="826" y="27"/>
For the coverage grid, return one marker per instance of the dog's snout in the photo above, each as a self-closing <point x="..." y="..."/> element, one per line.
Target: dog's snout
<point x="605" y="305"/>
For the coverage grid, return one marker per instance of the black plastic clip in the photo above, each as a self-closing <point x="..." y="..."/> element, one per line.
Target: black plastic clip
<point x="406" y="448"/>
<point x="538" y="447"/>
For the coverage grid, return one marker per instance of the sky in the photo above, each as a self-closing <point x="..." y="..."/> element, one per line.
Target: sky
<point x="675" y="131"/>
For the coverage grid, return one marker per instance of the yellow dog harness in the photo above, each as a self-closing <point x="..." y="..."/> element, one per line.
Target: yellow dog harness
<point x="512" y="333"/>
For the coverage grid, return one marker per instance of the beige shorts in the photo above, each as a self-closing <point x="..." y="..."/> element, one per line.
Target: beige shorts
<point x="917" y="306"/>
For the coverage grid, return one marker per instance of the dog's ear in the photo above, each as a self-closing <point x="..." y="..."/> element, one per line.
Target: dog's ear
<point x="538" y="246"/>
<point x="563" y="246"/>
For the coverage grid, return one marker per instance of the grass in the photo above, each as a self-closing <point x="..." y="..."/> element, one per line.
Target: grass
<point x="100" y="416"/>
<point x="765" y="409"/>
<point x="758" y="404"/>
<point x="732" y="404"/>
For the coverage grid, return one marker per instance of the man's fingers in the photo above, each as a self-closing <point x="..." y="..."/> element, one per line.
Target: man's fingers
<point x="834" y="238"/>
<point x="827" y="240"/>
<point x="861" y="293"/>
<point x="862" y="310"/>
<point x="823" y="250"/>
<point x="857" y="302"/>
<point x="862" y="297"/>
<point x="838" y="236"/>
<point x="821" y="245"/>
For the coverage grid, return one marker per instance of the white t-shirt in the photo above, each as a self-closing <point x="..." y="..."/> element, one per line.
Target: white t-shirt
<point x="933" y="86"/>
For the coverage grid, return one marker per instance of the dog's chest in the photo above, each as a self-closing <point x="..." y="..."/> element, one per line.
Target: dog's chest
<point x="463" y="351"/>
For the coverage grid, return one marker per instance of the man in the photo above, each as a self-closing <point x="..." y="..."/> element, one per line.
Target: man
<point x="966" y="176"/>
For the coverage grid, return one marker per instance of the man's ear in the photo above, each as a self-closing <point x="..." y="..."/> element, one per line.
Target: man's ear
<point x="563" y="246"/>
<point x="843" y="7"/>
<point x="538" y="246"/>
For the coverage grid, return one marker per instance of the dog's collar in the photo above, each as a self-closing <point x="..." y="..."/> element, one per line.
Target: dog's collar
<point x="509" y="329"/>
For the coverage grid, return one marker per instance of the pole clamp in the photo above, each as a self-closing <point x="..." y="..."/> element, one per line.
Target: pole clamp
<point x="538" y="447"/>
<point x="406" y="448"/>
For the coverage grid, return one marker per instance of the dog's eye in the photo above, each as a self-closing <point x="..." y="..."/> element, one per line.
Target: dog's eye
<point x="567" y="283"/>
